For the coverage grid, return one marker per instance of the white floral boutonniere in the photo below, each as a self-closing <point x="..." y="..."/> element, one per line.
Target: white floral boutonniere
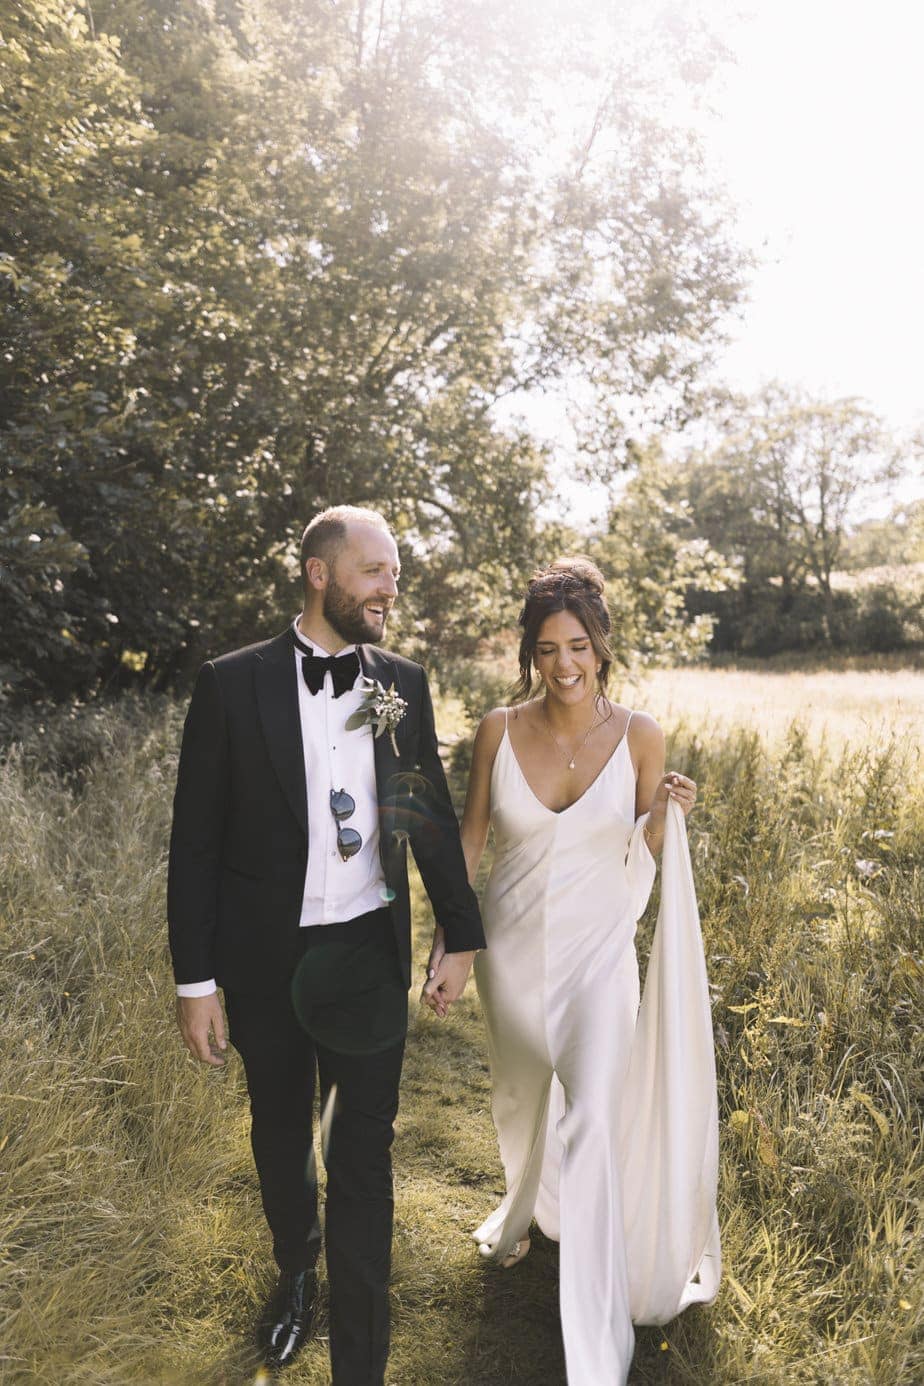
<point x="382" y="708"/>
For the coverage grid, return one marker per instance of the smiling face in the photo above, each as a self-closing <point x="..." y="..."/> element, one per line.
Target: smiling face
<point x="359" y="584"/>
<point x="565" y="659"/>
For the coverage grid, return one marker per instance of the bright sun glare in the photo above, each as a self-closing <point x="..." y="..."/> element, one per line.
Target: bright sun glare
<point x="814" y="128"/>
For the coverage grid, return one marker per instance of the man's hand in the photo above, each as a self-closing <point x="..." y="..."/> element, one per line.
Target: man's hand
<point x="202" y="1026"/>
<point x="447" y="982"/>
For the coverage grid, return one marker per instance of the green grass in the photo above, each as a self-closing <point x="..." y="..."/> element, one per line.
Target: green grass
<point x="132" y="1245"/>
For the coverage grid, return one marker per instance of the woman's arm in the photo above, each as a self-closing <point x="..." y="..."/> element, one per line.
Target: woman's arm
<point x="474" y="832"/>
<point x="654" y="789"/>
<point x="477" y="815"/>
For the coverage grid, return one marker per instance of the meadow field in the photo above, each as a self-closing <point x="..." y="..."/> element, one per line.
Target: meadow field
<point x="854" y="706"/>
<point x="132" y="1245"/>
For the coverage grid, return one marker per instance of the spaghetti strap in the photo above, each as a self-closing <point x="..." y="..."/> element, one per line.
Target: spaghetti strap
<point x="506" y="710"/>
<point x="629" y="721"/>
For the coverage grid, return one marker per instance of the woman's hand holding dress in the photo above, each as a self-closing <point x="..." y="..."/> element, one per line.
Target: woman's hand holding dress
<point x="671" y="787"/>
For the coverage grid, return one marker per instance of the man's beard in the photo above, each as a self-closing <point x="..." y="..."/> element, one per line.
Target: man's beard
<point x="344" y="614"/>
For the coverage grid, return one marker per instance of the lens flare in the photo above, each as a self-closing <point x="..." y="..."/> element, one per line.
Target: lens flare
<point x="311" y="1169"/>
<point x="327" y="1120"/>
<point x="350" y="996"/>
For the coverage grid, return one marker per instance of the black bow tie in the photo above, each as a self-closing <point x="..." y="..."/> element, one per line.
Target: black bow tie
<point x="343" y="671"/>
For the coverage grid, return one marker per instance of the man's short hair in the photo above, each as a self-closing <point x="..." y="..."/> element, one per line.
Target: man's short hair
<point x="326" y="532"/>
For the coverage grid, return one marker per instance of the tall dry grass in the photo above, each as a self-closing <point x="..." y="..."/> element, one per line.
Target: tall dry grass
<point x="131" y="1240"/>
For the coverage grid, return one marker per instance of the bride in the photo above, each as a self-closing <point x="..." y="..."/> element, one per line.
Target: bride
<point x="605" y="1115"/>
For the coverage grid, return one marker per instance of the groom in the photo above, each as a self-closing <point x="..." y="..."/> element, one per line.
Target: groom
<point x="288" y="888"/>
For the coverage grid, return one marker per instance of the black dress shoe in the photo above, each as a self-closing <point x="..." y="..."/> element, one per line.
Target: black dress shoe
<point x="287" y="1320"/>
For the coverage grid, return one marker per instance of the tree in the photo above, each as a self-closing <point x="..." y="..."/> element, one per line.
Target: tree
<point x="265" y="255"/>
<point x="652" y="557"/>
<point x="778" y="493"/>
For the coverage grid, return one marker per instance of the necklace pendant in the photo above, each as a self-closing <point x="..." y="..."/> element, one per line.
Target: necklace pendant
<point x="570" y="764"/>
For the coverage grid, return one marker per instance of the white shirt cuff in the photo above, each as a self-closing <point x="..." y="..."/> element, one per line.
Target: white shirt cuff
<point x="196" y="988"/>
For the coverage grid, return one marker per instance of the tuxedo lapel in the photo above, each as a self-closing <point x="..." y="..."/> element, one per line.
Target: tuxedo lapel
<point x="277" y="700"/>
<point x="376" y="665"/>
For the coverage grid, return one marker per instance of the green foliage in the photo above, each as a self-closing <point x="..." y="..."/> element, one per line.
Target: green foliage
<point x="652" y="557"/>
<point x="775" y="497"/>
<point x="263" y="257"/>
<point x="881" y="543"/>
<point x="884" y="608"/>
<point x="877" y="611"/>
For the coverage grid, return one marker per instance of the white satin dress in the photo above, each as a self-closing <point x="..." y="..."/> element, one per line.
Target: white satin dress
<point x="606" y="1116"/>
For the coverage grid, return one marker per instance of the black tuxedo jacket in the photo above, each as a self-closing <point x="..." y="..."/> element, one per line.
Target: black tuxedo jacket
<point x="239" y="845"/>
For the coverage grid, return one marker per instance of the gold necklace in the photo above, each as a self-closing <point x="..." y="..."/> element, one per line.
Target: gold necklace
<point x="570" y="760"/>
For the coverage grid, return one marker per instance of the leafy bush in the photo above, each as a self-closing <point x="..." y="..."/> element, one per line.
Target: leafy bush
<point x="876" y="612"/>
<point x="887" y="616"/>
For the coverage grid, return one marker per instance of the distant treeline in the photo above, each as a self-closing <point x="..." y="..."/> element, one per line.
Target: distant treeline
<point x="784" y="497"/>
<point x="756" y="544"/>
<point x="876" y="611"/>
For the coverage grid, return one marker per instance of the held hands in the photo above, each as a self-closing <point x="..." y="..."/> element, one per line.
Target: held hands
<point x="447" y="974"/>
<point x="202" y="1026"/>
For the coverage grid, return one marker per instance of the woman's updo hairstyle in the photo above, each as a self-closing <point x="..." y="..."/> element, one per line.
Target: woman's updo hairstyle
<point x="568" y="584"/>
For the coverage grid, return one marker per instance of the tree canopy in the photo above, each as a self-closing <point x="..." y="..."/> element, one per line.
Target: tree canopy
<point x="264" y="256"/>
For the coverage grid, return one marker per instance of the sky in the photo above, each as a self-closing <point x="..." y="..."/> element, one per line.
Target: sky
<point x="817" y="130"/>
<point x="818" y="134"/>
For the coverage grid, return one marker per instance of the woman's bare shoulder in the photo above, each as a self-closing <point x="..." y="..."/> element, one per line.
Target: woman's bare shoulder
<point x="643" y="723"/>
<point x="636" y="723"/>
<point x="490" y="732"/>
<point x="645" y="734"/>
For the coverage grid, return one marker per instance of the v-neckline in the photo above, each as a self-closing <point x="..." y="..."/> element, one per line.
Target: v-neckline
<point x="559" y="813"/>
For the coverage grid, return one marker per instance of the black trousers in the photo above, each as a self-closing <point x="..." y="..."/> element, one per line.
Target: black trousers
<point x="344" y="1014"/>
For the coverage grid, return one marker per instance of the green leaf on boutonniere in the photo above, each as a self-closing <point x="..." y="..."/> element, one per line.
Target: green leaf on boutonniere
<point x="381" y="708"/>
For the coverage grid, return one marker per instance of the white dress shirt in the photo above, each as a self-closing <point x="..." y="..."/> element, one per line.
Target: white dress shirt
<point x="335" y="890"/>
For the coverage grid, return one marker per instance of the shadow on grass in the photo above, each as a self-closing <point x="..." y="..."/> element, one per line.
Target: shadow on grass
<point x="516" y="1336"/>
<point x="682" y="1353"/>
<point x="516" y="1333"/>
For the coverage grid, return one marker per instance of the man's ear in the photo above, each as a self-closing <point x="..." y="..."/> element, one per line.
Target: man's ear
<point x="316" y="573"/>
